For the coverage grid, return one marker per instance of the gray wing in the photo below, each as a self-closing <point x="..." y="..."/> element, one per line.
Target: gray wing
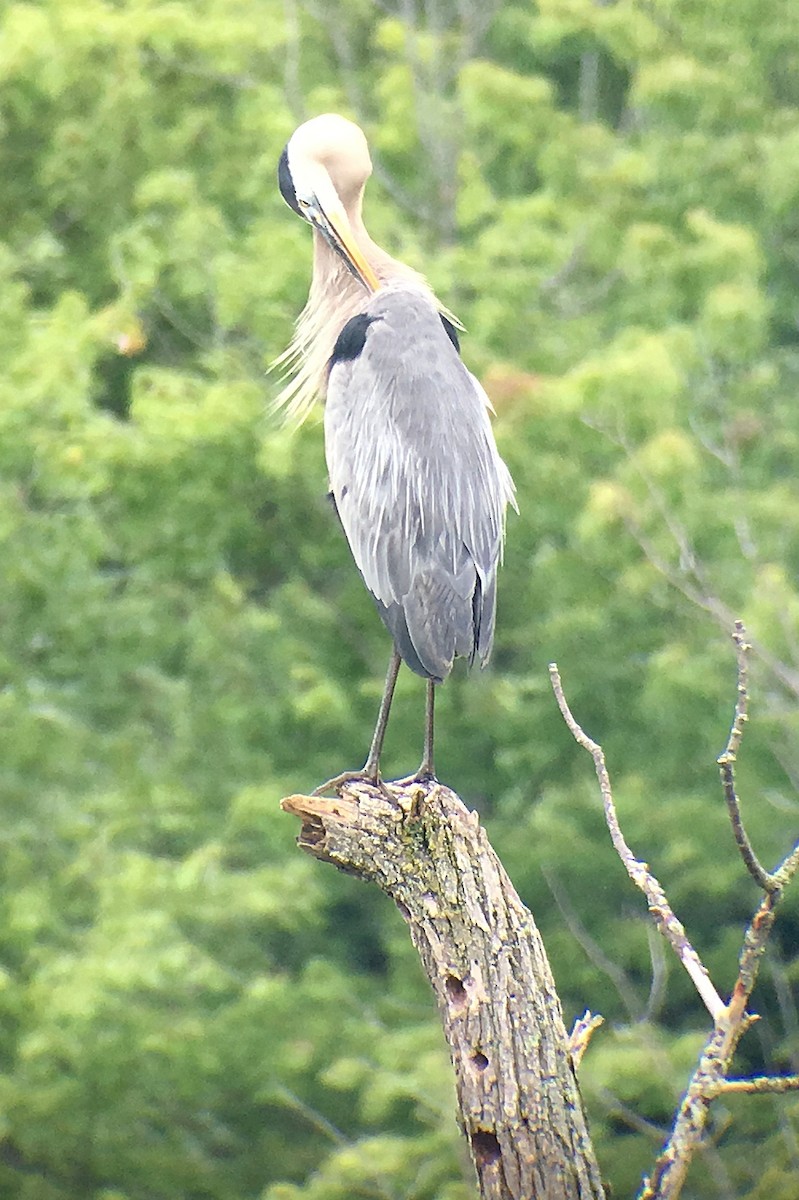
<point x="418" y="482"/>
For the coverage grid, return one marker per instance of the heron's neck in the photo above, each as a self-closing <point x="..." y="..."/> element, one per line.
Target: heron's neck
<point x="333" y="284"/>
<point x="335" y="296"/>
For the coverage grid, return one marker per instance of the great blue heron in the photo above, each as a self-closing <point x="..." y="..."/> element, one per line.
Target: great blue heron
<point x="414" y="470"/>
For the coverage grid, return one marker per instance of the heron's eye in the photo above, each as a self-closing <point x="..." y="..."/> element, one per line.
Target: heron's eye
<point x="307" y="208"/>
<point x="304" y="208"/>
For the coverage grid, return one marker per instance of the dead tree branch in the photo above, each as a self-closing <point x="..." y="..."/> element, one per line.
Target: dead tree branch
<point x="672" y="929"/>
<point x="731" y="1020"/>
<point x="759" y="1084"/>
<point x="727" y="760"/>
<point x="520" y="1105"/>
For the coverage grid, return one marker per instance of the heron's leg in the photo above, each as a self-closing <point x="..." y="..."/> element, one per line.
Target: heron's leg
<point x="427" y="769"/>
<point x="370" y="772"/>
<point x="372" y="765"/>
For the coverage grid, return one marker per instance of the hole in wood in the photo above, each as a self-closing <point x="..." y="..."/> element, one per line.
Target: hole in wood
<point x="404" y="911"/>
<point x="485" y="1148"/>
<point x="455" y="990"/>
<point x="479" y="1060"/>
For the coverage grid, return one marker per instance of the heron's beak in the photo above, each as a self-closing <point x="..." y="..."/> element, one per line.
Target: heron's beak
<point x="335" y="229"/>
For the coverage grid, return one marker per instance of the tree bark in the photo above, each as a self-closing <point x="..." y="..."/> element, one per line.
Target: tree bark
<point x="520" y="1106"/>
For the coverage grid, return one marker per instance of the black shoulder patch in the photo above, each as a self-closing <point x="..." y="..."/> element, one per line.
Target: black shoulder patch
<point x="451" y="332"/>
<point x="352" y="339"/>
<point x="286" y="183"/>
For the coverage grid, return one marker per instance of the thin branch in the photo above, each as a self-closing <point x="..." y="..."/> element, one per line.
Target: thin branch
<point x="730" y="1021"/>
<point x="660" y="974"/>
<point x="690" y="578"/>
<point x="787" y="868"/>
<point x="564" y="273"/>
<point x="710" y="1077"/>
<point x="754" y="944"/>
<point x="726" y="762"/>
<point x="312" y="1115"/>
<point x="741" y="716"/>
<point x="688" y="1133"/>
<point x="760" y="1084"/>
<point x="292" y="85"/>
<point x="594" y="952"/>
<point x="632" y="1119"/>
<point x="787" y="1007"/>
<point x="778" y="799"/>
<point x="668" y="924"/>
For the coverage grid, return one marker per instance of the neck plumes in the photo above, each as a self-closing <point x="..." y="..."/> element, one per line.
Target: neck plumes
<point x="335" y="296"/>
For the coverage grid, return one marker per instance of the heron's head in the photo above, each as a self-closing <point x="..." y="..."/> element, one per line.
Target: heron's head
<point x="322" y="173"/>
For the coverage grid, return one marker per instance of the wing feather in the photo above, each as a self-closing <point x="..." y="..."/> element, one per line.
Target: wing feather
<point x="418" y="482"/>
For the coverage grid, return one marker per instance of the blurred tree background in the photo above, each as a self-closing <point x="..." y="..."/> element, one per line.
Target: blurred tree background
<point x="607" y="194"/>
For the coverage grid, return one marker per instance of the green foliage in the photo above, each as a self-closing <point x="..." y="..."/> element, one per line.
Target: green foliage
<point x="607" y="196"/>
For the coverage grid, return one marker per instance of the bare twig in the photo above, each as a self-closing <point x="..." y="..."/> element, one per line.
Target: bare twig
<point x="754" y="944"/>
<point x="770" y="1084"/>
<point x="789" y="1013"/>
<point x="594" y="952"/>
<point x="730" y="1021"/>
<point x="787" y="868"/>
<point x="730" y="1025"/>
<point x="668" y="924"/>
<point x="292" y="84"/>
<point x="660" y="974"/>
<point x="709" y="1079"/>
<point x="314" y="1118"/>
<point x="629" y="1117"/>
<point x="726" y="762"/>
<point x="690" y="578"/>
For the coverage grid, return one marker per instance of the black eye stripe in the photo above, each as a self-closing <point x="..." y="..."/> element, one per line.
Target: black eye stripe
<point x="286" y="183"/>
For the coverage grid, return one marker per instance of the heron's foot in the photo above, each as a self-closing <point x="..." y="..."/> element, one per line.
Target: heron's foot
<point x="425" y="777"/>
<point x="366" y="774"/>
